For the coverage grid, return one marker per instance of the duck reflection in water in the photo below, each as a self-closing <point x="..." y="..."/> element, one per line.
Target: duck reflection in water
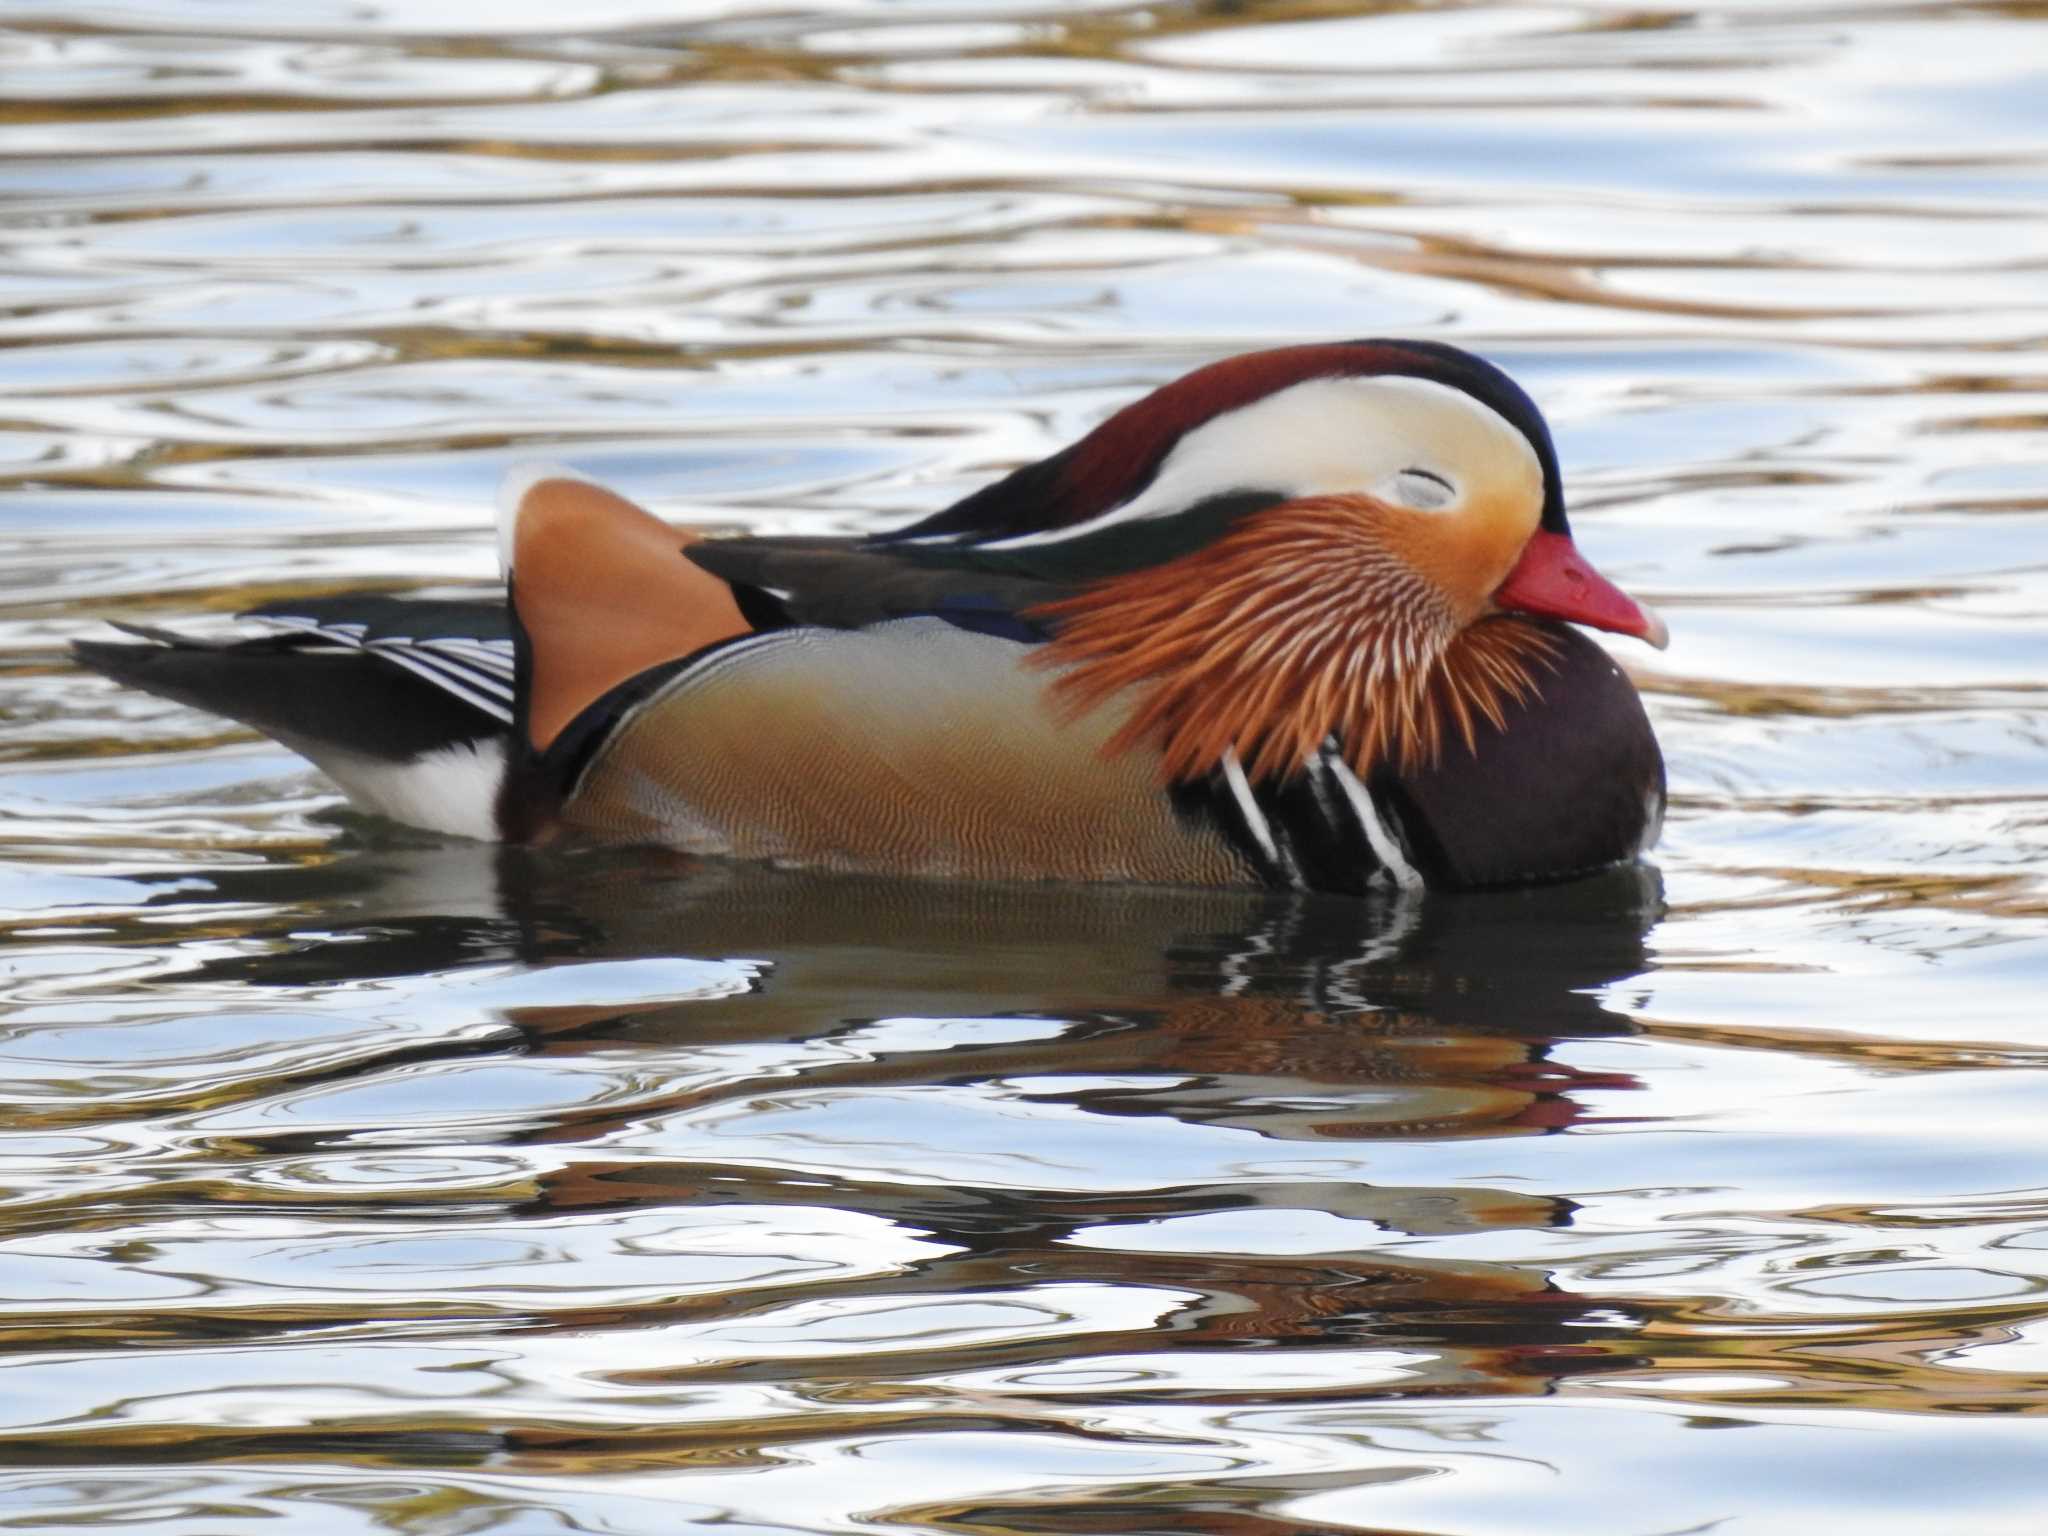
<point x="1303" y="1032"/>
<point x="1456" y="1000"/>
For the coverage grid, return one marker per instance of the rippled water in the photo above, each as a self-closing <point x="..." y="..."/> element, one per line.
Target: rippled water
<point x="384" y="1185"/>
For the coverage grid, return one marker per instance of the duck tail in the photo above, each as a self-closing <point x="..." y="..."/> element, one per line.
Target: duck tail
<point x="400" y="745"/>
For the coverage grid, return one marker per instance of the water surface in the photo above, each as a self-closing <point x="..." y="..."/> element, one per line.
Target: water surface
<point x="382" y="1184"/>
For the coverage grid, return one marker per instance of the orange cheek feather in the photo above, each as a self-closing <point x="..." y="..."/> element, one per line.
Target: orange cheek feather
<point x="1465" y="556"/>
<point x="1329" y="616"/>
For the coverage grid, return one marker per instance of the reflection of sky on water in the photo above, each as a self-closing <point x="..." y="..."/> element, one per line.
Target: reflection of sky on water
<point x="382" y="1185"/>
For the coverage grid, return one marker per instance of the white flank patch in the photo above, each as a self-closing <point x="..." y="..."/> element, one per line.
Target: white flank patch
<point x="1332" y="437"/>
<point x="512" y="492"/>
<point x="1384" y="848"/>
<point x="454" y="789"/>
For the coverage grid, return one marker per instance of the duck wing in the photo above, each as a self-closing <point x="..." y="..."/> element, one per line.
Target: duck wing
<point x="850" y="584"/>
<point x="988" y="587"/>
<point x="413" y="673"/>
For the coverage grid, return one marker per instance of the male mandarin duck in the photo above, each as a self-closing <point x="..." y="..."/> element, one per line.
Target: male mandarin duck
<point x="1298" y="619"/>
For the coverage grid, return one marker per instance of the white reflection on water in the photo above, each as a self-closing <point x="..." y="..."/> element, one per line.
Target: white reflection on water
<point x="383" y="1185"/>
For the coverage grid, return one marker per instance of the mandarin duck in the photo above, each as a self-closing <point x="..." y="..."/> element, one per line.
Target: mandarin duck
<point x="1299" y="619"/>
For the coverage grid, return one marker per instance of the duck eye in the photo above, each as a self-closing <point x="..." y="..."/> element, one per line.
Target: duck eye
<point x="1424" y="490"/>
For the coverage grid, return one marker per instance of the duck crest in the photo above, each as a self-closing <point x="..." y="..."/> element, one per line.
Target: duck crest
<point x="1287" y="632"/>
<point x="1116" y="461"/>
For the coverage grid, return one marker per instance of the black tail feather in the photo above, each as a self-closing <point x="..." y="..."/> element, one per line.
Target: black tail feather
<point x="300" y="695"/>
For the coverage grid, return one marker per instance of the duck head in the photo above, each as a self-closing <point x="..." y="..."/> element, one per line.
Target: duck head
<point x="1354" y="541"/>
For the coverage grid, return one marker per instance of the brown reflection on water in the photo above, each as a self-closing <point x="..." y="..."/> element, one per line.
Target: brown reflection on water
<point x="375" y="1185"/>
<point x="1298" y="1021"/>
<point x="1306" y="1024"/>
<point x="1876" y="1362"/>
<point x="1853" y="1050"/>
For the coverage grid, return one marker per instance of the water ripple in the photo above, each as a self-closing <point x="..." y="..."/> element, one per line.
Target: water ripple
<point x="377" y="1183"/>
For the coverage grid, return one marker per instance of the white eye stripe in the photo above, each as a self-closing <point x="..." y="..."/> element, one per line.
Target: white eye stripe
<point x="1331" y="436"/>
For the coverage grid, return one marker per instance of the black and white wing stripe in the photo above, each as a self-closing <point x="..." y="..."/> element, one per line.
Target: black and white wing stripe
<point x="477" y="670"/>
<point x="1379" y="828"/>
<point x="406" y="703"/>
<point x="1323" y="829"/>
